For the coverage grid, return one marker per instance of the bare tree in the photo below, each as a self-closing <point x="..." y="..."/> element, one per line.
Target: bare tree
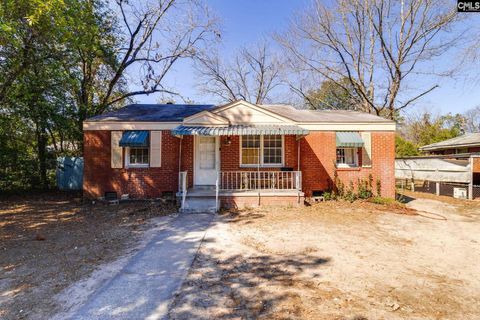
<point x="252" y="75"/>
<point x="156" y="35"/>
<point x="139" y="44"/>
<point x="472" y="120"/>
<point x="376" y="44"/>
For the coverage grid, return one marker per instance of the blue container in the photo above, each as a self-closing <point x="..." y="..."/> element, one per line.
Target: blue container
<point x="70" y="173"/>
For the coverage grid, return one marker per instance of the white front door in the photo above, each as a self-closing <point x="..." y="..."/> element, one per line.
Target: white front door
<point x="206" y="160"/>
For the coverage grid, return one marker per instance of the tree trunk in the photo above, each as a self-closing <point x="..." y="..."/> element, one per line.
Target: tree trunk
<point x="42" y="154"/>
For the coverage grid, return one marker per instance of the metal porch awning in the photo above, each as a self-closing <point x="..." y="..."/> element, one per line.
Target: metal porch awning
<point x="136" y="138"/>
<point x="347" y="139"/>
<point x="239" y="130"/>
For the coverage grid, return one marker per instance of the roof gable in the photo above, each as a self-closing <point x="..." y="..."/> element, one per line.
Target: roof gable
<point x="206" y="118"/>
<point x="242" y="112"/>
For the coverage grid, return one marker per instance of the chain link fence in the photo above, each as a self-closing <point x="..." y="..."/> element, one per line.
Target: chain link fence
<point x="445" y="188"/>
<point x="476" y="192"/>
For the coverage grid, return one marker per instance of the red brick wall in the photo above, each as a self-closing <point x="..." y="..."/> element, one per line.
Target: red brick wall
<point x="476" y="165"/>
<point x="187" y="158"/>
<point x="317" y="163"/>
<point x="255" y="201"/>
<point x="99" y="177"/>
<point x="230" y="155"/>
<point x="318" y="157"/>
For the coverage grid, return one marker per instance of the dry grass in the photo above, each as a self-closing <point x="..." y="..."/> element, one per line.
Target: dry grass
<point x="49" y="241"/>
<point x="335" y="260"/>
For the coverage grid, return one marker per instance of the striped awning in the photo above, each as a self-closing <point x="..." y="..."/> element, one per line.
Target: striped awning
<point x="135" y="138"/>
<point x="239" y="130"/>
<point x="347" y="139"/>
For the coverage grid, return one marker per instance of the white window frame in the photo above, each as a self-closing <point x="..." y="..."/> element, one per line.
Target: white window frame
<point x="136" y="165"/>
<point x="347" y="165"/>
<point x="261" y="164"/>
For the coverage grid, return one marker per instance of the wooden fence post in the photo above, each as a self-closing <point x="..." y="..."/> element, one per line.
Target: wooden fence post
<point x="470" y="185"/>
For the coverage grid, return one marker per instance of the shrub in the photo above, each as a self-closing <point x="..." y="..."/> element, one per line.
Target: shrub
<point x="327" y="196"/>
<point x="364" y="189"/>
<point x="381" y="200"/>
<point x="379" y="188"/>
<point x="340" y="189"/>
<point x="350" y="195"/>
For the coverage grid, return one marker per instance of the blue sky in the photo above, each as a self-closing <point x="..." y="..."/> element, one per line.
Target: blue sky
<point x="246" y="21"/>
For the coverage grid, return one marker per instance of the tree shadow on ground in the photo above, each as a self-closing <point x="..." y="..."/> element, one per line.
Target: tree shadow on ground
<point x="240" y="216"/>
<point x="240" y="286"/>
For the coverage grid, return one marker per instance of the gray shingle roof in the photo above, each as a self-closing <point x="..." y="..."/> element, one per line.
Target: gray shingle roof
<point x="324" y="115"/>
<point x="467" y="140"/>
<point x="153" y="112"/>
<point x="177" y="112"/>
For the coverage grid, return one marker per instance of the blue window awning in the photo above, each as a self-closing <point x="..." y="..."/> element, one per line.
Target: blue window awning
<point x="135" y="138"/>
<point x="240" y="130"/>
<point x="347" y="139"/>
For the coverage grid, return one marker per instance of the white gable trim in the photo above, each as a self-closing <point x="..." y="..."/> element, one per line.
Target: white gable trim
<point x="205" y="118"/>
<point x="254" y="107"/>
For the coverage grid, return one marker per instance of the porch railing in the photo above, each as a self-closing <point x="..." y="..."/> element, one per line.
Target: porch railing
<point x="261" y="180"/>
<point x="182" y="187"/>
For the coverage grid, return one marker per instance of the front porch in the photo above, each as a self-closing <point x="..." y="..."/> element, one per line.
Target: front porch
<point x="241" y="189"/>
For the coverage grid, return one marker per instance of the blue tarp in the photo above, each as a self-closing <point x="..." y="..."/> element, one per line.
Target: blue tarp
<point x="137" y="138"/>
<point x="70" y="173"/>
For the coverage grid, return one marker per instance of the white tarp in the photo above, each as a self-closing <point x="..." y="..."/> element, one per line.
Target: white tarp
<point x="441" y="170"/>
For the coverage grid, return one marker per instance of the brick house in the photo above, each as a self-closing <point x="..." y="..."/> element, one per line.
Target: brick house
<point x="467" y="143"/>
<point x="249" y="154"/>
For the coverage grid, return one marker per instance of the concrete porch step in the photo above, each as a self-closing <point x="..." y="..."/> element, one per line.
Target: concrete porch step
<point x="198" y="204"/>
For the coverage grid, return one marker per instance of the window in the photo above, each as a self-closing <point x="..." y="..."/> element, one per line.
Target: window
<point x="347" y="157"/>
<point x="262" y="150"/>
<point x="250" y="149"/>
<point x="272" y="149"/>
<point x="137" y="157"/>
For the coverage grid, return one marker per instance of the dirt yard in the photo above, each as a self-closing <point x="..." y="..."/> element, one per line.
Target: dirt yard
<point x="49" y="241"/>
<point x="337" y="260"/>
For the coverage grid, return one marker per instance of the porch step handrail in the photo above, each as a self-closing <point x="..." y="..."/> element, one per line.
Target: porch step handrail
<point x="217" y="190"/>
<point x="261" y="180"/>
<point x="182" y="187"/>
